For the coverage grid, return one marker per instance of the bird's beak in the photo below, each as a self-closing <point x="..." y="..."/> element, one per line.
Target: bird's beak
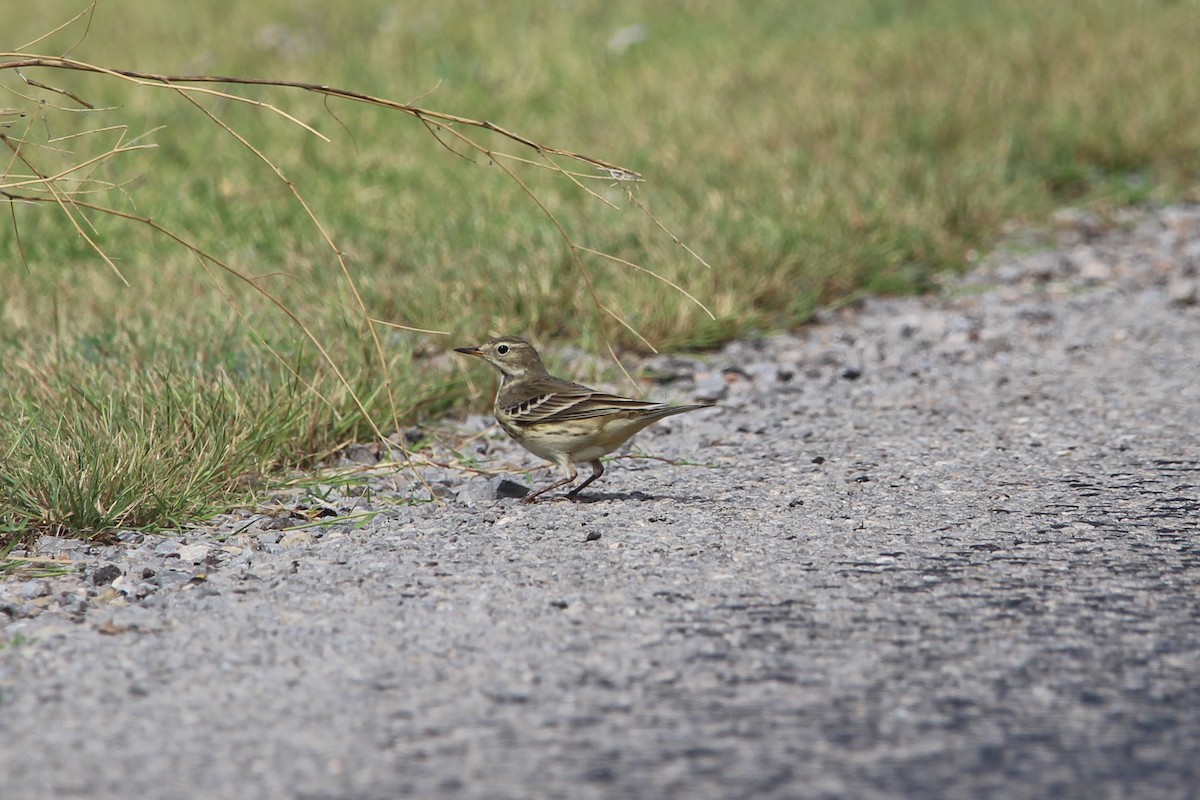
<point x="469" y="351"/>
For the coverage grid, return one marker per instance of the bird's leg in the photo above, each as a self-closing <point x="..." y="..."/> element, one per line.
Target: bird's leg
<point x="597" y="471"/>
<point x="571" y="475"/>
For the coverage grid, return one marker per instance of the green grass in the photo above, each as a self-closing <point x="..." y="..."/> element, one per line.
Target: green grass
<point x="808" y="151"/>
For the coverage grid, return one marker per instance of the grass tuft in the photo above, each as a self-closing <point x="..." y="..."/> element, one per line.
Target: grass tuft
<point x="88" y="455"/>
<point x="99" y="447"/>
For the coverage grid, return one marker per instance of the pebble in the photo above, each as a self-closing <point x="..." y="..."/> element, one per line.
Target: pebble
<point x="50" y="546"/>
<point x="1183" y="292"/>
<point x="711" y="387"/>
<point x="35" y="588"/>
<point x="279" y="523"/>
<point x="1094" y="271"/>
<point x="360" y="454"/>
<point x="477" y="492"/>
<point x="296" y="539"/>
<point x="167" y="548"/>
<point x="194" y="553"/>
<point x="105" y="574"/>
<point x="510" y="489"/>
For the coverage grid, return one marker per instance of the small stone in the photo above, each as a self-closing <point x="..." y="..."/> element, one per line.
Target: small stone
<point x="908" y="327"/>
<point x="711" y="387"/>
<point x="1036" y="314"/>
<point x="55" y="545"/>
<point x="508" y="489"/>
<point x="592" y="536"/>
<point x="666" y="369"/>
<point x="477" y="491"/>
<point x="106" y="574"/>
<point x="1183" y="292"/>
<point x="1094" y="271"/>
<point x="1082" y="260"/>
<point x="1191" y="257"/>
<point x="167" y="549"/>
<point x="20" y="611"/>
<point x="110" y="628"/>
<point x="194" y="553"/>
<point x="1040" y="267"/>
<point x="364" y="454"/>
<point x="1008" y="273"/>
<point x="35" y="588"/>
<point x="443" y="489"/>
<point x="279" y="523"/>
<point x="296" y="539"/>
<point x="762" y="372"/>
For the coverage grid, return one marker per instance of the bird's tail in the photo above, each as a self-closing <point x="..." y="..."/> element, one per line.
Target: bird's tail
<point x="670" y="411"/>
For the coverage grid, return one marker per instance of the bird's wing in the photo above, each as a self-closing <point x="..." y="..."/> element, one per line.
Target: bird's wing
<point x="554" y="400"/>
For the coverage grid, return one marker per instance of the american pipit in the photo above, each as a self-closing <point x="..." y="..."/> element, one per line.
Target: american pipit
<point x="560" y="421"/>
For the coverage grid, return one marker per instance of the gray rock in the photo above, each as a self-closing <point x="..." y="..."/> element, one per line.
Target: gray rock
<point x="1183" y="292"/>
<point x="1190" y="258"/>
<point x="296" y="539"/>
<point x="477" y="491"/>
<point x="194" y="553"/>
<point x="34" y="588"/>
<point x="279" y="523"/>
<point x="105" y="574"/>
<point x="671" y="368"/>
<point x="1094" y="271"/>
<point x="763" y="373"/>
<point x="711" y="387"/>
<point x="50" y="546"/>
<point x="167" y="548"/>
<point x="19" y="610"/>
<point x="363" y="454"/>
<point x="506" y="488"/>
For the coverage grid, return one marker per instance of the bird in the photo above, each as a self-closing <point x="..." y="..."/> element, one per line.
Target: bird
<point x="562" y="422"/>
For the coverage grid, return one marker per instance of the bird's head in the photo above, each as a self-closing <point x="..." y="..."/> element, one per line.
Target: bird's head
<point x="514" y="357"/>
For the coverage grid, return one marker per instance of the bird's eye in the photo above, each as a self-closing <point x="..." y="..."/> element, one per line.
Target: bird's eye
<point x="502" y="349"/>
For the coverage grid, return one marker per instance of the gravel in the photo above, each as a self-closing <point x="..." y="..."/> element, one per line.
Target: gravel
<point x="926" y="547"/>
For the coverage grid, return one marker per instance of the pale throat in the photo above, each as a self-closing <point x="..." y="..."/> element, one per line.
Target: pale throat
<point x="507" y="377"/>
